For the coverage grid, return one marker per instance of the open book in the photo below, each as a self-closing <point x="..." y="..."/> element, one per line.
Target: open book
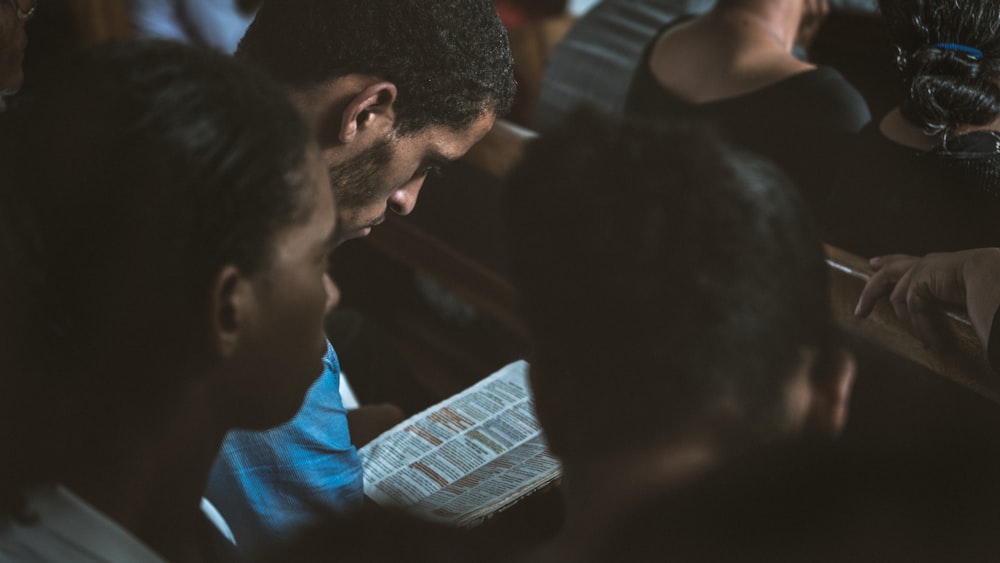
<point x="466" y="458"/>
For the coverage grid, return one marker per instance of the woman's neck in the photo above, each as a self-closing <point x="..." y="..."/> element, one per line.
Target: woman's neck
<point x="726" y="53"/>
<point x="763" y="24"/>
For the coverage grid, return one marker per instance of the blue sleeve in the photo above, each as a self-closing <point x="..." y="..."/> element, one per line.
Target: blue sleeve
<point x="213" y="23"/>
<point x="268" y="484"/>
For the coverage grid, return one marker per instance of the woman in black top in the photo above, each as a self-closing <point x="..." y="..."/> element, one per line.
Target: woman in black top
<point x="734" y="68"/>
<point x="925" y="177"/>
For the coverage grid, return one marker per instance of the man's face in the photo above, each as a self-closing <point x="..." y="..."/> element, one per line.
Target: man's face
<point x="389" y="174"/>
<point x="287" y="343"/>
<point x="13" y="40"/>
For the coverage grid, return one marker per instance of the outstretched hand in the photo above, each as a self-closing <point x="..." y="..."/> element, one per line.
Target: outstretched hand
<point x="918" y="286"/>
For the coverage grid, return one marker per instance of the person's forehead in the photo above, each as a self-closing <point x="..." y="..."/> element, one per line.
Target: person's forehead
<point x="446" y="143"/>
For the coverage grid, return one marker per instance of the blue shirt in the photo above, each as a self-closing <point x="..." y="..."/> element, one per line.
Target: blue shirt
<point x="209" y="23"/>
<point x="268" y="484"/>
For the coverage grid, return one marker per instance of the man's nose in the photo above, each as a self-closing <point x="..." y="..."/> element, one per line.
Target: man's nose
<point x="403" y="200"/>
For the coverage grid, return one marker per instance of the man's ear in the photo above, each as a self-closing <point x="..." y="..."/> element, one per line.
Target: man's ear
<point x="831" y="385"/>
<point x="372" y="108"/>
<point x="231" y="309"/>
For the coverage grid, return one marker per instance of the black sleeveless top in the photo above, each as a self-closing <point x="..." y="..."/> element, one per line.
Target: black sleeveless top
<point x="888" y="198"/>
<point x="792" y="122"/>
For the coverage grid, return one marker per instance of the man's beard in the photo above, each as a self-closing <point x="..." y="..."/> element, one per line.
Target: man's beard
<point x="356" y="181"/>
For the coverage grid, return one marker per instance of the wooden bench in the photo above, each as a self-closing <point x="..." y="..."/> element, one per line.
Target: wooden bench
<point x="962" y="360"/>
<point x="100" y="20"/>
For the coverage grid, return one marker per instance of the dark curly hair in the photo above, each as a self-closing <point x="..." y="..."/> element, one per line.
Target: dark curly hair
<point x="133" y="172"/>
<point x="449" y="59"/>
<point x="663" y="275"/>
<point x="944" y="87"/>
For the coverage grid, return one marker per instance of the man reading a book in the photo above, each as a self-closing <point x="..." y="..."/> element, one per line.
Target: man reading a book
<point x="676" y="294"/>
<point x="392" y="89"/>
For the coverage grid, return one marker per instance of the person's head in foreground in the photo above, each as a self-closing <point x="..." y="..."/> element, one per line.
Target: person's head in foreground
<point x="392" y="88"/>
<point x="676" y="293"/>
<point x="845" y="502"/>
<point x="165" y="221"/>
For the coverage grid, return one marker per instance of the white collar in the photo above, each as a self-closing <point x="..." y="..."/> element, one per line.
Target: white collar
<point x="215" y="517"/>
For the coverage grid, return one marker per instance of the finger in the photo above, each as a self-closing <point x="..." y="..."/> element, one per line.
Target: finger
<point x="877" y="287"/>
<point x="888" y="273"/>
<point x="898" y="298"/>
<point x="879" y="262"/>
<point x="923" y="324"/>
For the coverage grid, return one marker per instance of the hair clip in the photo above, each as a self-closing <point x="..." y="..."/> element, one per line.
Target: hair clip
<point x="902" y="58"/>
<point x="976" y="54"/>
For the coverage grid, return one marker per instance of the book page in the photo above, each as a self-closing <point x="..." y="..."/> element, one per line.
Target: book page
<point x="466" y="457"/>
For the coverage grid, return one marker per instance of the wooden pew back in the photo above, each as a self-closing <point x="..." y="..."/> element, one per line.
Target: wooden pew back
<point x="531" y="44"/>
<point x="962" y="359"/>
<point x="98" y="21"/>
<point x="500" y="149"/>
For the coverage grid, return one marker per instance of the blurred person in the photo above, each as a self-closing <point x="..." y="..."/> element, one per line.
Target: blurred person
<point x="835" y="503"/>
<point x="165" y="220"/>
<point x="595" y="62"/>
<point x="514" y="13"/>
<point x="218" y="24"/>
<point x="675" y="291"/>
<point x="580" y="7"/>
